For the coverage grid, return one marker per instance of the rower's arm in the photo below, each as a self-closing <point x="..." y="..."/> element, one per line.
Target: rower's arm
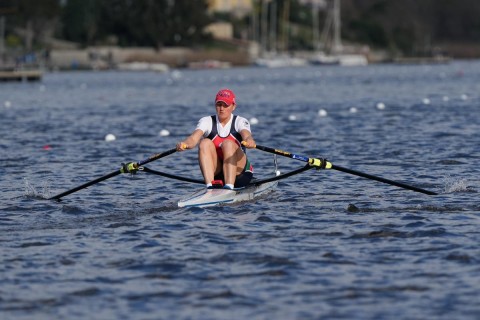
<point x="191" y="141"/>
<point x="247" y="137"/>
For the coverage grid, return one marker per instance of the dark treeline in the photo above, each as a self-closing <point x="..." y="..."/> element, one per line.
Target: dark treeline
<point x="149" y="23"/>
<point x="408" y="26"/>
<point x="153" y="23"/>
<point x="411" y="26"/>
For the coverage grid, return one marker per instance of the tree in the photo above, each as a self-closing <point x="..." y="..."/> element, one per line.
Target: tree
<point x="187" y="20"/>
<point x="35" y="18"/>
<point x="152" y="23"/>
<point x="79" y="19"/>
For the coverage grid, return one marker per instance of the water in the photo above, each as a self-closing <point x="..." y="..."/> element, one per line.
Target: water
<point x="325" y="245"/>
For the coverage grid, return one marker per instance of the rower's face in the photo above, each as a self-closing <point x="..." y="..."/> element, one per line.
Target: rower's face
<point x="224" y="111"/>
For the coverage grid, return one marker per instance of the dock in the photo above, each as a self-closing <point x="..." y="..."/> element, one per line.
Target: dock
<point x="21" y="75"/>
<point x="423" y="60"/>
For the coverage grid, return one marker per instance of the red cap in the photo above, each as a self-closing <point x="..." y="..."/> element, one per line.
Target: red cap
<point x="225" y="95"/>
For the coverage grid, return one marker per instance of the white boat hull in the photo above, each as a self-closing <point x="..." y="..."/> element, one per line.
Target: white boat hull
<point x="213" y="197"/>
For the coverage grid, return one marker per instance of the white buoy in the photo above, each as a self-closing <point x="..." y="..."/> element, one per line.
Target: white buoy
<point x="426" y="101"/>
<point x="380" y="106"/>
<point x="253" y="121"/>
<point x="175" y="74"/>
<point x="464" y="97"/>
<point x="110" y="137"/>
<point x="353" y="110"/>
<point x="322" y="113"/>
<point x="164" y="133"/>
<point x="292" y="117"/>
<point x="7" y="104"/>
<point x="277" y="173"/>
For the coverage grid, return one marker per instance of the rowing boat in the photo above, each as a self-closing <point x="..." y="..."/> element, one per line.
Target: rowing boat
<point x="257" y="188"/>
<point x="213" y="197"/>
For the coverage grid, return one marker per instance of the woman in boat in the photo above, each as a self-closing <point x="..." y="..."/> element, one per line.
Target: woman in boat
<point x="223" y="138"/>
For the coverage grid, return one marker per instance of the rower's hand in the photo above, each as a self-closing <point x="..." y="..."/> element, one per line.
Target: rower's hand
<point x="130" y="167"/>
<point x="182" y="146"/>
<point x="249" y="143"/>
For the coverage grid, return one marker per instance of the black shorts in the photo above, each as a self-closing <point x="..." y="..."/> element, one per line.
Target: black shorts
<point x="242" y="179"/>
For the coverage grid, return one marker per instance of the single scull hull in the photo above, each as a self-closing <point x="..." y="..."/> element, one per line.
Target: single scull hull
<point x="213" y="197"/>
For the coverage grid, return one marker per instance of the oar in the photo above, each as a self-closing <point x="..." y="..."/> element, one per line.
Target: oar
<point x="324" y="164"/>
<point x="114" y="173"/>
<point x="171" y="176"/>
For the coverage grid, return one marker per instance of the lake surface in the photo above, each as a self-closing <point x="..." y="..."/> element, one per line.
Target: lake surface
<point x="324" y="245"/>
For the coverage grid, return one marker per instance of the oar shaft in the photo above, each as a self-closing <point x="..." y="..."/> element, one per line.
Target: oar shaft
<point x="322" y="163"/>
<point x="313" y="161"/>
<point x="113" y="174"/>
<point x="86" y="185"/>
<point x="172" y="176"/>
<point x="157" y="156"/>
<point x="380" y="179"/>
<point x="282" y="176"/>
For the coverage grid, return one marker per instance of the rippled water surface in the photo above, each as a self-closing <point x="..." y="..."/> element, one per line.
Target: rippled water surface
<point x="324" y="245"/>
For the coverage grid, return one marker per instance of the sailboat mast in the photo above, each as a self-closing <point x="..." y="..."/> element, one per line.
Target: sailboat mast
<point x="285" y="25"/>
<point x="273" y="26"/>
<point x="337" y="40"/>
<point x="2" y="37"/>
<point x="264" y="27"/>
<point x="315" y="26"/>
<point x="254" y="26"/>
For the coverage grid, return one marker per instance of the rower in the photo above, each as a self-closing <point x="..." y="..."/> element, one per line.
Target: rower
<point x="221" y="153"/>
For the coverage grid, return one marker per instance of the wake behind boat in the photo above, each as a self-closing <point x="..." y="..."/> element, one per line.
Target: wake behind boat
<point x="212" y="197"/>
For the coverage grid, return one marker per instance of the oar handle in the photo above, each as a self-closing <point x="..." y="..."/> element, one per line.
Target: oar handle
<point x="320" y="163"/>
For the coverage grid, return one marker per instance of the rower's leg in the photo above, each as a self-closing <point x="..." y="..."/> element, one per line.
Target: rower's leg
<point x="233" y="161"/>
<point x="208" y="160"/>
